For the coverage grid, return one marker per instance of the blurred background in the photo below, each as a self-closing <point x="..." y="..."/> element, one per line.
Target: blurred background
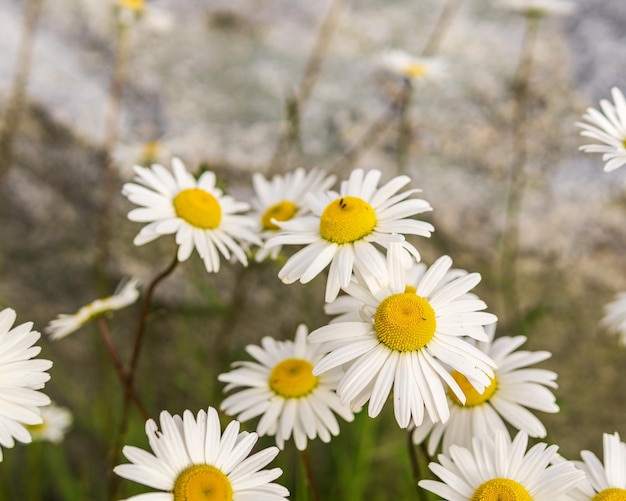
<point x="87" y="90"/>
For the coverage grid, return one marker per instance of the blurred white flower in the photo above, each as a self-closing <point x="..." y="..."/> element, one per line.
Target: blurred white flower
<point x="615" y="316"/>
<point x="55" y="424"/>
<point x="539" y="8"/>
<point x="414" y="69"/>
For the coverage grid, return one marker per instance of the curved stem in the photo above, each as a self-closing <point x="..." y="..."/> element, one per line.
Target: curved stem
<point x="441" y="27"/>
<point x="306" y="462"/>
<point x="415" y="466"/>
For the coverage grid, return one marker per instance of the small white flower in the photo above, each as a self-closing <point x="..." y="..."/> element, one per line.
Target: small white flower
<point x="615" y="316"/>
<point x="192" y="457"/>
<point x="495" y="469"/>
<point x="125" y="295"/>
<point x="283" y="390"/>
<point x="21" y="376"/>
<point x="282" y="199"/>
<point x="414" y="69"/>
<point x="56" y="421"/>
<point x="196" y="211"/>
<point x="346" y="228"/>
<point x="539" y="8"/>
<point x="608" y="127"/>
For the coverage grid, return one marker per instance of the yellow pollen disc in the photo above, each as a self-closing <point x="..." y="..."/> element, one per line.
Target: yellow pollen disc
<point x="199" y="208"/>
<point x="612" y="494"/>
<point x="282" y="211"/>
<point x="405" y="322"/>
<point x="202" y="482"/>
<point x="501" y="489"/>
<point x="136" y="5"/>
<point x="472" y="396"/>
<point x="293" y="378"/>
<point x="347" y="220"/>
<point x="34" y="428"/>
<point x="624" y="142"/>
<point x="415" y="70"/>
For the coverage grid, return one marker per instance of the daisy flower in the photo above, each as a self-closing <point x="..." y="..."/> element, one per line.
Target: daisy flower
<point x="21" y="376"/>
<point x="413" y="69"/>
<point x="495" y="469"/>
<point x="282" y="199"/>
<point x="513" y="389"/>
<point x="126" y="294"/>
<point x="344" y="228"/>
<point x="192" y="460"/>
<point x="134" y="5"/>
<point x="615" y="316"/>
<point x="200" y="215"/>
<point x="603" y="482"/>
<point x="283" y="390"/>
<point x="55" y="423"/>
<point x="609" y="128"/>
<point x="540" y="8"/>
<point x="409" y="337"/>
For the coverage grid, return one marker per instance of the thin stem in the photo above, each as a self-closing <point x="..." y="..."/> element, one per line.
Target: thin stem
<point x="415" y="466"/>
<point x="15" y="104"/>
<point x="306" y="462"/>
<point x="441" y="27"/>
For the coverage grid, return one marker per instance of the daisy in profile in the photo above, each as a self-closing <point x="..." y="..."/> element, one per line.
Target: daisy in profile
<point x="125" y="295"/>
<point x="497" y="469"/>
<point x="56" y="421"/>
<point x="540" y="8"/>
<point x="282" y="199"/>
<point x="409" y="338"/>
<point x="196" y="211"/>
<point x="21" y="377"/>
<point x="193" y="460"/>
<point x="513" y="390"/>
<point x="609" y="128"/>
<point x="281" y="388"/>
<point x="411" y="68"/>
<point x="603" y="482"/>
<point x="346" y="229"/>
<point x="615" y="316"/>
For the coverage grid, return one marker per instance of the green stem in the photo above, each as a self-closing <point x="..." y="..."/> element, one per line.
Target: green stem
<point x="415" y="466"/>
<point x="306" y="462"/>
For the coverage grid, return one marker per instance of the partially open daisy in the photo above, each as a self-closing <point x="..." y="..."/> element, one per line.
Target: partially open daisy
<point x="512" y="390"/>
<point x="56" y="421"/>
<point x="615" y="316"/>
<point x="344" y="228"/>
<point x="282" y="199"/>
<point x="193" y="460"/>
<point x="603" y="482"/>
<point x="125" y="295"/>
<point x="196" y="211"/>
<point x="21" y="377"/>
<point x="607" y="127"/>
<point x="282" y="389"/>
<point x="409" y="337"/>
<point x="413" y="69"/>
<point x="496" y="469"/>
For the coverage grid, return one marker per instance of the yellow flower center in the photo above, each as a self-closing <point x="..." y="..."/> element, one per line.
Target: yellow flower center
<point x="405" y="322"/>
<point x="501" y="489"/>
<point x="136" y="5"/>
<point x="472" y="396"/>
<point x="202" y="482"/>
<point x="347" y="220"/>
<point x="293" y="378"/>
<point x="612" y="494"/>
<point x="199" y="208"/>
<point x="36" y="428"/>
<point x="282" y="211"/>
<point x="624" y="142"/>
<point x="415" y="70"/>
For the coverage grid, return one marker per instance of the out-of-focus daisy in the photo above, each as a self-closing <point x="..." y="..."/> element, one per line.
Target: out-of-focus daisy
<point x="192" y="460"/>
<point x="413" y="69"/>
<point x="126" y="294"/>
<point x="409" y="338"/>
<point x="539" y="8"/>
<point x="56" y="421"/>
<point x="282" y="199"/>
<point x="615" y="316"/>
<point x="21" y="376"/>
<point x="196" y="211"/>
<point x="608" y="127"/>
<point x="496" y="469"/>
<point x="282" y="388"/>
<point x="604" y="482"/>
<point x="134" y="5"/>
<point x="513" y="389"/>
<point x="344" y="228"/>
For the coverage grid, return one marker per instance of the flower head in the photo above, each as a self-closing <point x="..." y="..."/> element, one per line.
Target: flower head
<point x="192" y="457"/>
<point x="282" y="199"/>
<point x="603" y="482"/>
<point x="413" y="69"/>
<point x="608" y="127"/>
<point x="497" y="469"/>
<point x="21" y="376"/>
<point x="196" y="211"/>
<point x="344" y="228"/>
<point x="283" y="390"/>
<point x="540" y="8"/>
<point x="513" y="389"/>
<point x="126" y="294"/>
<point x="409" y="337"/>
<point x="615" y="316"/>
<point x="56" y="421"/>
